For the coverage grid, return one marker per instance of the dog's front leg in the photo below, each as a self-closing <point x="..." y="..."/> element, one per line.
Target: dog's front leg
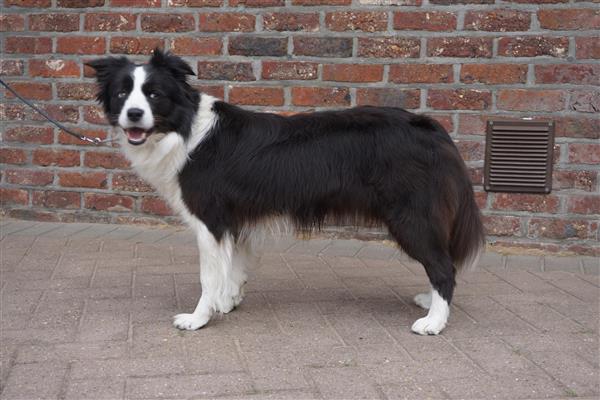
<point x="215" y="279"/>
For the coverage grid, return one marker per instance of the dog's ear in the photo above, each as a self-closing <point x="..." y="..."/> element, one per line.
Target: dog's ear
<point x="105" y="69"/>
<point x="179" y="68"/>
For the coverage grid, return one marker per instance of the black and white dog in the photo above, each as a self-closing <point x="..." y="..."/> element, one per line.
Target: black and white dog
<point x="226" y="171"/>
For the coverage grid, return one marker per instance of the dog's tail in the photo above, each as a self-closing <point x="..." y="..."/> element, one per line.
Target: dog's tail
<point x="467" y="237"/>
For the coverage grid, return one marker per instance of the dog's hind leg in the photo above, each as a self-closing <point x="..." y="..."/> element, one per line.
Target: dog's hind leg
<point x="420" y="240"/>
<point x="216" y="277"/>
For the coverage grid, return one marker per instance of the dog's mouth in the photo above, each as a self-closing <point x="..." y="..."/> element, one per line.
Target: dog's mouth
<point x="137" y="136"/>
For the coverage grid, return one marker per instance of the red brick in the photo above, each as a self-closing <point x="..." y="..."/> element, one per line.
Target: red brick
<point x="28" y="45"/>
<point x="476" y="177"/>
<point x="29" y="177"/>
<point x="33" y="215"/>
<point x="320" y="96"/>
<point x="459" y="99"/>
<point x="135" y="45"/>
<point x="156" y="206"/>
<point x="257" y="46"/>
<point x="30" y="90"/>
<point x="28" y="3"/>
<point x="226" y="22"/>
<point x="493" y="74"/>
<point x="460" y="47"/>
<point x="76" y="91"/>
<point x="59" y="112"/>
<point x="56" y="157"/>
<point x="569" y="19"/>
<point x="13" y="111"/>
<point x="29" y="134"/>
<point x="533" y="46"/>
<point x="135" y="3"/>
<point x="83" y="179"/>
<point x="105" y="159"/>
<point x="289" y="70"/>
<point x="576" y="179"/>
<point x="583" y="204"/>
<point x="367" y="21"/>
<point x="110" y="22"/>
<point x="555" y="228"/>
<point x="225" y="70"/>
<point x="54" y="68"/>
<point x="64" y="138"/>
<point x="12" y="23"/>
<point x="56" y="199"/>
<point x="388" y="97"/>
<point x="80" y="3"/>
<point x="584" y="153"/>
<point x="54" y="22"/>
<point x="421" y="73"/>
<point x="585" y="101"/>
<point x="525" y="202"/>
<point x="452" y="2"/>
<point x="444" y="119"/>
<point x="129" y="182"/>
<point x="425" y="21"/>
<point x="196" y="46"/>
<point x="322" y="46"/>
<point x="167" y="22"/>
<point x="504" y="225"/>
<point x="321" y="2"/>
<point x="12" y="156"/>
<point x="217" y="91"/>
<point x="11" y="67"/>
<point x="81" y="45"/>
<point x="278" y="21"/>
<point x="352" y="73"/>
<point x="389" y="47"/>
<point x="195" y="3"/>
<point x="531" y="100"/>
<point x="587" y="47"/>
<point x="108" y="202"/>
<point x="258" y="96"/>
<point x="472" y="124"/>
<point x="500" y="20"/>
<point x="94" y="115"/>
<point x="14" y="196"/>
<point x="256" y="3"/>
<point x="580" y="74"/>
<point x="470" y="150"/>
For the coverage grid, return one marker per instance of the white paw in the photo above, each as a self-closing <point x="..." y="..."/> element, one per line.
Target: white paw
<point x="423" y="300"/>
<point x="428" y="325"/>
<point x="190" y="322"/>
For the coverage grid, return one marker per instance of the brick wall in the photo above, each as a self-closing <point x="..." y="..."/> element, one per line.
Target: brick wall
<point x="459" y="61"/>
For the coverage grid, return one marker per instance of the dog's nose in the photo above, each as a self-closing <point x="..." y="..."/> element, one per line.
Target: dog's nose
<point x="135" y="114"/>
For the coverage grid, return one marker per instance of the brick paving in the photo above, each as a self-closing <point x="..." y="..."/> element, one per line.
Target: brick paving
<point x="86" y="314"/>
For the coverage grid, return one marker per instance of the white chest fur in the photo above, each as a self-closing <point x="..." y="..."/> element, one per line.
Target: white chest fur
<point x="161" y="158"/>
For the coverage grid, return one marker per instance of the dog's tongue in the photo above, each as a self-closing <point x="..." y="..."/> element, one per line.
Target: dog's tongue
<point x="136" y="134"/>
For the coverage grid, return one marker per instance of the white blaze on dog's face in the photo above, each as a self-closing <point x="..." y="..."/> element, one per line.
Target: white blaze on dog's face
<point x="136" y="117"/>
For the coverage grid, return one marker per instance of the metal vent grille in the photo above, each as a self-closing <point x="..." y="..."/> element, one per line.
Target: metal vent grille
<point x="518" y="156"/>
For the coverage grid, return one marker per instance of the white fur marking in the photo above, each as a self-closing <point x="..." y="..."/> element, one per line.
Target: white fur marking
<point x="137" y="99"/>
<point x="159" y="161"/>
<point x="423" y="300"/>
<point x="436" y="318"/>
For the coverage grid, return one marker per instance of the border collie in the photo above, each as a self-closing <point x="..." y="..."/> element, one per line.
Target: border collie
<point x="227" y="170"/>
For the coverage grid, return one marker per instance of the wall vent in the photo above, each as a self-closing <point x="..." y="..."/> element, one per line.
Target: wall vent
<point x="518" y="156"/>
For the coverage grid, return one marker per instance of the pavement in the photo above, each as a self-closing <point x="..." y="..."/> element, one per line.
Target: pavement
<point x="86" y="314"/>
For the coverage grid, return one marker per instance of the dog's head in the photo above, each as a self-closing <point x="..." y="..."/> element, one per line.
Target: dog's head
<point x="148" y="98"/>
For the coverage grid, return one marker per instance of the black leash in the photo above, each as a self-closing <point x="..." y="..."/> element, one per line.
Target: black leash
<point x="51" y="120"/>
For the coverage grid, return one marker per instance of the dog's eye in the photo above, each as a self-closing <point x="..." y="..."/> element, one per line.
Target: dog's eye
<point x="153" y="95"/>
<point x="122" y="94"/>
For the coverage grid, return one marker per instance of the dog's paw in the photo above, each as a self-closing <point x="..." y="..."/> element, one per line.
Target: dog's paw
<point x="428" y="326"/>
<point x="190" y="322"/>
<point x="423" y="300"/>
